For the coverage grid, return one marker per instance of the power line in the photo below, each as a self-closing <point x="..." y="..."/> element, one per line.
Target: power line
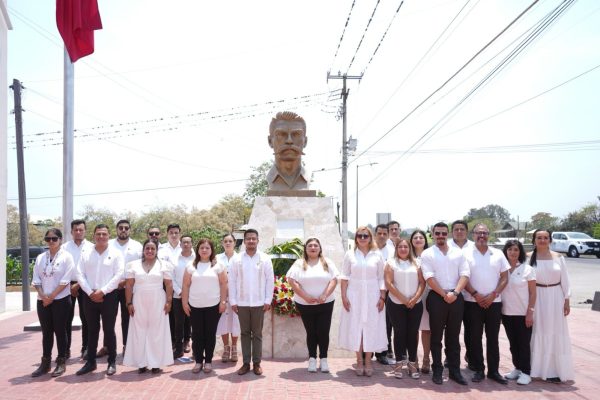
<point x="343" y="32"/>
<point x="447" y="81"/>
<point x="137" y="190"/>
<point x="363" y="36"/>
<point x="383" y="37"/>
<point x="415" y="67"/>
<point x="542" y="26"/>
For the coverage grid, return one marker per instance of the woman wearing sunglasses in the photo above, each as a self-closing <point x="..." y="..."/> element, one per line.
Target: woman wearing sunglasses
<point x="362" y="323"/>
<point x="52" y="278"/>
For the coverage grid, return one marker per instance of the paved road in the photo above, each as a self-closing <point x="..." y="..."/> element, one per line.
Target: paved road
<point x="584" y="273"/>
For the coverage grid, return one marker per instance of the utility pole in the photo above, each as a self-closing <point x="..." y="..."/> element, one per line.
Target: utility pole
<point x="23" y="222"/>
<point x="344" y="96"/>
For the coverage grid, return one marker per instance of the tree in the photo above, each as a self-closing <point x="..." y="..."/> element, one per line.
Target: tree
<point x="257" y="185"/>
<point x="93" y="217"/>
<point x="35" y="235"/>
<point x="544" y="220"/>
<point x="582" y="220"/>
<point x="499" y="214"/>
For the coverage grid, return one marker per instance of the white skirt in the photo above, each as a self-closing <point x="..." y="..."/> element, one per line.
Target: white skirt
<point x="229" y="323"/>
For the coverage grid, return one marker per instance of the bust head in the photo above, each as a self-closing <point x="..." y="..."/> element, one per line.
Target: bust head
<point x="287" y="137"/>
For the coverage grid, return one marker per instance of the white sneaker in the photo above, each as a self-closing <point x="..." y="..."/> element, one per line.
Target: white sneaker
<point x="324" y="365"/>
<point x="512" y="375"/>
<point x="312" y="365"/>
<point x="524" y="379"/>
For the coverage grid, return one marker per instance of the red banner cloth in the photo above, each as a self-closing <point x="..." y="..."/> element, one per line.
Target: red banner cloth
<point x="76" y="21"/>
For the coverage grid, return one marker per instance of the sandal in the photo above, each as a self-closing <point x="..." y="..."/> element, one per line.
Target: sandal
<point x="360" y="368"/>
<point x="398" y="370"/>
<point x="234" y="356"/>
<point x="413" y="371"/>
<point x="207" y="368"/>
<point x="426" y="366"/>
<point x="197" y="368"/>
<point x="226" y="353"/>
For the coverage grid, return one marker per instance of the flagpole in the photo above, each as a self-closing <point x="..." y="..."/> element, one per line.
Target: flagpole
<point x="68" y="142"/>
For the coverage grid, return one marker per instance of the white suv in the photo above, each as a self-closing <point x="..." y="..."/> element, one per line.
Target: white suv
<point x="575" y="243"/>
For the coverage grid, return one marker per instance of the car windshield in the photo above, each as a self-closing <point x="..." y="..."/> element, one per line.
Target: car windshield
<point x="578" y="235"/>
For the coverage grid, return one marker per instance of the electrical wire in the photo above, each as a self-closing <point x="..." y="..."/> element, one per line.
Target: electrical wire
<point x="363" y="36"/>
<point x="343" y="33"/>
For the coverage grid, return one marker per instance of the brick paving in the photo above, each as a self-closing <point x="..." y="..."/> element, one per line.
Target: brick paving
<point x="20" y="354"/>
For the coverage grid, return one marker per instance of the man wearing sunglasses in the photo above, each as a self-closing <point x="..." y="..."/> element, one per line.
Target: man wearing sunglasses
<point x="99" y="273"/>
<point x="78" y="245"/>
<point x="131" y="250"/>
<point x="447" y="273"/>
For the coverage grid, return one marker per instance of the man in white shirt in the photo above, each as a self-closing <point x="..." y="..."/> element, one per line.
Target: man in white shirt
<point x="381" y="239"/>
<point x="447" y="272"/>
<point x="169" y="252"/>
<point x="99" y="273"/>
<point x="393" y="233"/>
<point x="131" y="250"/>
<point x="460" y="241"/>
<point x="75" y="247"/>
<point x="251" y="284"/>
<point x="181" y="323"/>
<point x="483" y="307"/>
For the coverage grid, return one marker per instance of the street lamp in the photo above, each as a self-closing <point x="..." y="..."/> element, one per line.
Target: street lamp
<point x="357" y="166"/>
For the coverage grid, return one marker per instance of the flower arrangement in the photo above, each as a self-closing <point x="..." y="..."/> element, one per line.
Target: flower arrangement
<point x="282" y="298"/>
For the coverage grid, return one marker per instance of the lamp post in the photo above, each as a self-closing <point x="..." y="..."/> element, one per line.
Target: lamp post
<point x="358" y="166"/>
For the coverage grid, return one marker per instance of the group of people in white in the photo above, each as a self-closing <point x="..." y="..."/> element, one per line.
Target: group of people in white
<point x="390" y="286"/>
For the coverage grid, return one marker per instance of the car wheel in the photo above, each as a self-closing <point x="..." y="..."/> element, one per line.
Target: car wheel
<point x="573" y="252"/>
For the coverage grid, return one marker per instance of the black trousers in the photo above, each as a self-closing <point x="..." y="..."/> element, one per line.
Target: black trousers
<point x="124" y="315"/>
<point x="107" y="311"/>
<point x="445" y="321"/>
<point x="480" y="320"/>
<point x="317" y="322"/>
<point x="406" y="323"/>
<point x="519" y="337"/>
<point x="388" y="330"/>
<point x="181" y="325"/>
<point x="204" y="332"/>
<point x="71" y="315"/>
<point x="53" y="320"/>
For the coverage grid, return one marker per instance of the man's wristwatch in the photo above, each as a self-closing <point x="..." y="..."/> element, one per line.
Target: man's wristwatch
<point x="455" y="293"/>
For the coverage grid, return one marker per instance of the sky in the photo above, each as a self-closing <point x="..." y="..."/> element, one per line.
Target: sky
<point x="173" y="107"/>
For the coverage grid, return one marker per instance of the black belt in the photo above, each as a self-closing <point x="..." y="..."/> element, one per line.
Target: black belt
<point x="542" y="285"/>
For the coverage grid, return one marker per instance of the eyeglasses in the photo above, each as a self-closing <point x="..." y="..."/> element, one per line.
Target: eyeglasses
<point x="123" y="228"/>
<point x="49" y="239"/>
<point x="482" y="233"/>
<point x="363" y="236"/>
<point x="438" y="233"/>
<point x="153" y="233"/>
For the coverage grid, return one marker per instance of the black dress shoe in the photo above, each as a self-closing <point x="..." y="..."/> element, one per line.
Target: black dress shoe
<point x="457" y="377"/>
<point x="478" y="376"/>
<point x="156" y="370"/>
<point x="111" y="370"/>
<point x="142" y="370"/>
<point x="87" y="367"/>
<point x="437" y="377"/>
<point x="495" y="376"/>
<point x="553" y="380"/>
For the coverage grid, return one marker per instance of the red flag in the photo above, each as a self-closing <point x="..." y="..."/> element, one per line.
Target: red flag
<point x="76" y="21"/>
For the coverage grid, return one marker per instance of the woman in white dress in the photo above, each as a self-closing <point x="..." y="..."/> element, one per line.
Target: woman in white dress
<point x="52" y="276"/>
<point x="314" y="279"/>
<point x="551" y="357"/>
<point x="518" y="305"/>
<point x="404" y="280"/>
<point x="362" y="322"/>
<point x="203" y="298"/>
<point x="418" y="241"/>
<point x="229" y="324"/>
<point x="149" y="336"/>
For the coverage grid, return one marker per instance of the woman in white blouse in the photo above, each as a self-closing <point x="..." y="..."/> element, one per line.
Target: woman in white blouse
<point x="518" y="304"/>
<point x="404" y="280"/>
<point x="313" y="279"/>
<point x="551" y="357"/>
<point x="52" y="278"/>
<point x="204" y="297"/>
<point x="229" y="324"/>
<point x="149" y="335"/>
<point x="362" y="322"/>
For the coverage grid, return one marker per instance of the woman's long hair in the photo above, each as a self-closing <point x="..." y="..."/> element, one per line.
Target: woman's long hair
<point x="372" y="245"/>
<point x="321" y="258"/>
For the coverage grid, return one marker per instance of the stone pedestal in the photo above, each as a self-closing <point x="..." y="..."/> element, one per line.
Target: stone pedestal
<point x="277" y="220"/>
